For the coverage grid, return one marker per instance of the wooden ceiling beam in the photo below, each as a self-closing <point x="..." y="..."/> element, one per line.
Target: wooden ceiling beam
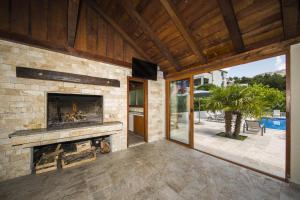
<point x="183" y="28"/>
<point x="268" y="51"/>
<point x="94" y="5"/>
<point x="232" y="24"/>
<point x="290" y="18"/>
<point x="73" y="18"/>
<point x="148" y="31"/>
<point x="142" y="5"/>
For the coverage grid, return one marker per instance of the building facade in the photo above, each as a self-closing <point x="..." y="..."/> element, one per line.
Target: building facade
<point x="217" y="77"/>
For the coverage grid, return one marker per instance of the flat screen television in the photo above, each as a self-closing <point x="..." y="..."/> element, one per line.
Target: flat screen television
<point x="143" y="69"/>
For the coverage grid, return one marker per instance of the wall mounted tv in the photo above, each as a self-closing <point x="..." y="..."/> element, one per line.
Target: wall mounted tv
<point x="143" y="69"/>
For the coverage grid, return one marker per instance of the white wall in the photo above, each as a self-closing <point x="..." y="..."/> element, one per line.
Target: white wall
<point x="295" y="113"/>
<point x="217" y="78"/>
<point x="214" y="77"/>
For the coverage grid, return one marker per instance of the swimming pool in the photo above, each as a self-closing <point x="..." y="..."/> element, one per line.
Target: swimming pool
<point x="274" y="123"/>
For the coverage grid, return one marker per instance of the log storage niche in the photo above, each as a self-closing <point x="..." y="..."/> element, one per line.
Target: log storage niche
<point x="64" y="155"/>
<point x="82" y="153"/>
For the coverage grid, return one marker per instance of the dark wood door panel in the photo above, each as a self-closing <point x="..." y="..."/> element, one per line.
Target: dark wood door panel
<point x="139" y="125"/>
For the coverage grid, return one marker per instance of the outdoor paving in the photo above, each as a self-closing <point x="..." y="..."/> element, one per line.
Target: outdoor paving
<point x="159" y="170"/>
<point x="265" y="153"/>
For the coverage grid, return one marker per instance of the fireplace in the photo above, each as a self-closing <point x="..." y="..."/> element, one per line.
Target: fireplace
<point x="73" y="110"/>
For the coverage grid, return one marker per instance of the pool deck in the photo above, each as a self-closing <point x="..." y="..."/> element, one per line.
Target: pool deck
<point x="265" y="153"/>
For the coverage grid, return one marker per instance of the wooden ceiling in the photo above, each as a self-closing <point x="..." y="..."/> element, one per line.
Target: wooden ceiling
<point x="176" y="34"/>
<point x="180" y="33"/>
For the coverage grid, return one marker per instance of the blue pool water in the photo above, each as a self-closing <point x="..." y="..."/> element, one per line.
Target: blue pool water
<point x="274" y="123"/>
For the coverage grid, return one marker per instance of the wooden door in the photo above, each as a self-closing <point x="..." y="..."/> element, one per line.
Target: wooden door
<point x="139" y="125"/>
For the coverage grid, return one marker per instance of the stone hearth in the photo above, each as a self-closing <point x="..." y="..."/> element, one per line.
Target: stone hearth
<point x="38" y="137"/>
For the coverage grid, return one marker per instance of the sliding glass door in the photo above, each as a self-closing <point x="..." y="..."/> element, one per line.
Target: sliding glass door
<point x="240" y="115"/>
<point x="179" y="111"/>
<point x="217" y="112"/>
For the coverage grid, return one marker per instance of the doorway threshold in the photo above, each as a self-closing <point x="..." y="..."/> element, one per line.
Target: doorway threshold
<point x="134" y="139"/>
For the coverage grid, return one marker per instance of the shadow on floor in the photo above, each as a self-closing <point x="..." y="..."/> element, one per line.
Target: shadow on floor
<point x="134" y="139"/>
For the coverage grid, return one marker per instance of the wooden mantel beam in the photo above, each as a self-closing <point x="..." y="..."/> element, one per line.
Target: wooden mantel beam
<point x="232" y="24"/>
<point x="290" y="18"/>
<point x="73" y="10"/>
<point x="94" y="5"/>
<point x="183" y="28"/>
<point x="39" y="74"/>
<point x="148" y="31"/>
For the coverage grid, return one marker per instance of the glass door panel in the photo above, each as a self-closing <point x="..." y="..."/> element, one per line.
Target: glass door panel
<point x="180" y="110"/>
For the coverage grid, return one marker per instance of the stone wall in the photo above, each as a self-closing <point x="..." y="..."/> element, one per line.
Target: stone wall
<point x="156" y="110"/>
<point x="22" y="101"/>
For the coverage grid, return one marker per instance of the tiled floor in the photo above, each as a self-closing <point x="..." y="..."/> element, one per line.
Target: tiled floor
<point x="159" y="170"/>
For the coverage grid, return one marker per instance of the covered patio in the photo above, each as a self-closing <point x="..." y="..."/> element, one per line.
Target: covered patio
<point x="97" y="99"/>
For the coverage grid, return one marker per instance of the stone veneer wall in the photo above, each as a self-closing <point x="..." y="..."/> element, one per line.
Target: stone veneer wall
<point x="156" y="110"/>
<point x="22" y="101"/>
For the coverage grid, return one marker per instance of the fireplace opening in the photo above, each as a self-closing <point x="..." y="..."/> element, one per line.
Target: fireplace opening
<point x="73" y="110"/>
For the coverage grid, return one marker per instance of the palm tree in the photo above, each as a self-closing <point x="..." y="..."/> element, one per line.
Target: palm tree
<point x="236" y="100"/>
<point x="253" y="101"/>
<point x="221" y="99"/>
<point x="240" y="101"/>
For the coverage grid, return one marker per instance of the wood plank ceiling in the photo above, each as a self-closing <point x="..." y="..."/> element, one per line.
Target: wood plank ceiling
<point x="191" y="32"/>
<point x="176" y="34"/>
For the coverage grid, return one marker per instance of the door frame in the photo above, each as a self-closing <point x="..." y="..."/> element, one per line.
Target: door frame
<point x="145" y="106"/>
<point x="190" y="76"/>
<point x="191" y="111"/>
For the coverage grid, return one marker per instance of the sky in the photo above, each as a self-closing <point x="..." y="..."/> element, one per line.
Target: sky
<point x="258" y="67"/>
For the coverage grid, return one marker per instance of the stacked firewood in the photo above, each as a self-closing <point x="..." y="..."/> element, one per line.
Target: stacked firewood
<point x="71" y="154"/>
<point x="84" y="153"/>
<point x="48" y="161"/>
<point x="104" y="146"/>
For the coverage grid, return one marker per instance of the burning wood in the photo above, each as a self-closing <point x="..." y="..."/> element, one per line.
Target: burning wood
<point x="75" y="115"/>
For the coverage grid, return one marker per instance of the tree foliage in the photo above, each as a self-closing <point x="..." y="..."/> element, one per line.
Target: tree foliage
<point x="206" y="87"/>
<point x="252" y="101"/>
<point x="276" y="81"/>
